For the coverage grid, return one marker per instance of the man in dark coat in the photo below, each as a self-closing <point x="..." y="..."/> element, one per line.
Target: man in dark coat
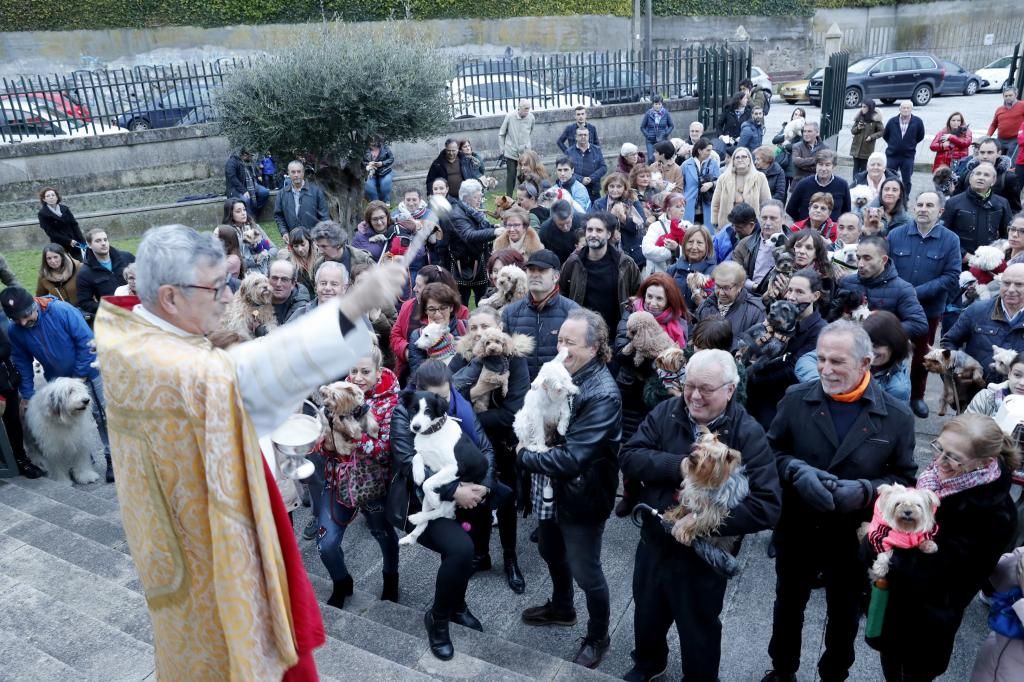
<point x="102" y="272"/>
<point x="877" y="281"/>
<point x="902" y="134"/>
<point x="568" y="136"/>
<point x="240" y="180"/>
<point x="558" y="232"/>
<point x="1006" y="178"/>
<point x="299" y="203"/>
<point x="573" y="487"/>
<point x="286" y="295"/>
<point x="671" y="583"/>
<point x="997" y="321"/>
<point x="541" y="313"/>
<point x="978" y="216"/>
<point x="835" y="441"/>
<point x="588" y="161"/>
<point x="823" y="180"/>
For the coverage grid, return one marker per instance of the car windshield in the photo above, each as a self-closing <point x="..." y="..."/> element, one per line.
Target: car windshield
<point x="1000" y="63"/>
<point x="862" y="65"/>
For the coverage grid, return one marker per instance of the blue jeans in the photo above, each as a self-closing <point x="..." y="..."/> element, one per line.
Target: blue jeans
<point x="335" y="518"/>
<point x="255" y="204"/>
<point x="573" y="552"/>
<point x="378" y="188"/>
<point x="99" y="410"/>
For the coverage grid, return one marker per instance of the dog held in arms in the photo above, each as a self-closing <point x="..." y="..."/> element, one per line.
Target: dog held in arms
<point x="509" y="286"/>
<point x="547" y="407"/>
<point x="60" y="432"/>
<point x="767" y="341"/>
<point x="347" y="420"/>
<point x="493" y="348"/>
<point x="647" y="339"/>
<point x="904" y="518"/>
<point x="445" y="450"/>
<point x="962" y="377"/>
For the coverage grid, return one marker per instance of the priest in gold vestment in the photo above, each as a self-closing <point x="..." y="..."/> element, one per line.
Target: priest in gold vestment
<point x="223" y="579"/>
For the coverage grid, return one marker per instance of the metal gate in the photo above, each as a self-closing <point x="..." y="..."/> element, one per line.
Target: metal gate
<point x="1016" y="77"/>
<point x="833" y="94"/>
<point x="719" y="72"/>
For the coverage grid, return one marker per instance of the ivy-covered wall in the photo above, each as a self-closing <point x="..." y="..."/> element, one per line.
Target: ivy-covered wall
<point x="58" y="15"/>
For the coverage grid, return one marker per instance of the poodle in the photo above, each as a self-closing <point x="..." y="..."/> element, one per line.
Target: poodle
<point x="251" y="312"/>
<point x="494" y="348"/>
<point x="647" y="339"/>
<point x="509" y="286"/>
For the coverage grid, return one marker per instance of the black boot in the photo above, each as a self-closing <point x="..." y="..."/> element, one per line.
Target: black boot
<point x="439" y="637"/>
<point x="342" y="590"/>
<point x="27" y="468"/>
<point x="390" y="591"/>
<point x="516" y="581"/>
<point x="110" y="470"/>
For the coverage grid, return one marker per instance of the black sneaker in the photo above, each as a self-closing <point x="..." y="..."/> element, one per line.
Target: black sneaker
<point x="772" y="676"/>
<point x="636" y="674"/>
<point x="592" y="651"/>
<point x="309" y="532"/>
<point x="548" y="614"/>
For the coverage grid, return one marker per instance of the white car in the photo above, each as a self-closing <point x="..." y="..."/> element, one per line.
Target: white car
<point x="21" y="123"/>
<point x="995" y="74"/>
<point x="760" y="78"/>
<point x="493" y="94"/>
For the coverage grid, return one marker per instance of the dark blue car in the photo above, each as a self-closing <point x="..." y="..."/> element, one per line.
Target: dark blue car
<point x="959" y="81"/>
<point x="170" y="108"/>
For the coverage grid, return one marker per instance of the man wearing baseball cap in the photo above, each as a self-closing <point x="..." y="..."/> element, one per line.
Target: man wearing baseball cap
<point x="56" y="334"/>
<point x="542" y="312"/>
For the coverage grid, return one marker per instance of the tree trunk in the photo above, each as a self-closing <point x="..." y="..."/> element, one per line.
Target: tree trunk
<point x="344" y="190"/>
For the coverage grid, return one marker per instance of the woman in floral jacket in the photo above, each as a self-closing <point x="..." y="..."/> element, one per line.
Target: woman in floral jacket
<point x="348" y="476"/>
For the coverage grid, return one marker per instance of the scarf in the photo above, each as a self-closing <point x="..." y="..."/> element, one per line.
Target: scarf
<point x="60" y="276"/>
<point x="856" y="394"/>
<point x="929" y="479"/>
<point x="540" y="305"/>
<point x="669" y="322"/>
<point x="55" y="209"/>
<point x="723" y="308"/>
<point x="443" y="348"/>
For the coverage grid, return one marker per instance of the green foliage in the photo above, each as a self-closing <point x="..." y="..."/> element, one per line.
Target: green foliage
<point x="52" y="15"/>
<point x="337" y="90"/>
<point x="846" y="4"/>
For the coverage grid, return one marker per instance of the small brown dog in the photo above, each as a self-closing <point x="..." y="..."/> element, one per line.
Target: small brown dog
<point x="714" y="483"/>
<point x="670" y="365"/>
<point x="494" y="348"/>
<point x="251" y="311"/>
<point x="962" y="377"/>
<point x="348" y="420"/>
<point x="647" y="340"/>
<point x="501" y="204"/>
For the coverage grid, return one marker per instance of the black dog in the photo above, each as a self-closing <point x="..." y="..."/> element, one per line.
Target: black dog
<point x="843" y="303"/>
<point x="767" y="341"/>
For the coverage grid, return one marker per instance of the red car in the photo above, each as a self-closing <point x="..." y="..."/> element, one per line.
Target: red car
<point x="57" y="102"/>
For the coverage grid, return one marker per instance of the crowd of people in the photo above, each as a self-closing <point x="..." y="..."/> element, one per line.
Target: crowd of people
<point x="707" y="236"/>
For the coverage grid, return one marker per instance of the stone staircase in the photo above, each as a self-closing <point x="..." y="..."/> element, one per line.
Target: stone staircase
<point x="71" y="607"/>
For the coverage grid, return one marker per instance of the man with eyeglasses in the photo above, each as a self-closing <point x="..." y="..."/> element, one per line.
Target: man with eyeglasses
<point x="191" y="427"/>
<point x="997" y="321"/>
<point x="671" y="583"/>
<point x="285" y="295"/>
<point x="731" y="300"/>
<point x="835" y="441"/>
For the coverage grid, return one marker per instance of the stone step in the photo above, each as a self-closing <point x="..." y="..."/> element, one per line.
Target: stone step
<point x="80" y="497"/>
<point x="342" y="661"/>
<point x="76" y="639"/>
<point x="79" y="589"/>
<point x="73" y="519"/>
<point x="22" y="661"/>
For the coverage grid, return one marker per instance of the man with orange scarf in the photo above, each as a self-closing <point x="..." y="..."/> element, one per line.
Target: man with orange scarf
<point x="223" y="578"/>
<point x="835" y="441"/>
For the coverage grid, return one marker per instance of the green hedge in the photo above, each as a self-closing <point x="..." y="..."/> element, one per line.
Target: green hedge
<point x="43" y="15"/>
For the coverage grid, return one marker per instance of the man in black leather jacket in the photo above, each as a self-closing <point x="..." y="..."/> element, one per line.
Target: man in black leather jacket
<point x="670" y="581"/>
<point x="574" y="484"/>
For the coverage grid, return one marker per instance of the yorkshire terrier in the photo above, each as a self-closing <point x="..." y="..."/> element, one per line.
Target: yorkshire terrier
<point x="347" y="418"/>
<point x="962" y="377"/>
<point x="904" y="518"/>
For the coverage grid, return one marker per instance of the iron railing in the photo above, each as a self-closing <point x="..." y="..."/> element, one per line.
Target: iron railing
<point x="833" y="94"/>
<point x="720" y="70"/>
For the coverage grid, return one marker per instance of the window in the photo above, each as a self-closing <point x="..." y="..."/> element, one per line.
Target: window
<point x="927" y="63"/>
<point x="906" y="64"/>
<point x="1003" y="63"/>
<point x="862" y="65"/>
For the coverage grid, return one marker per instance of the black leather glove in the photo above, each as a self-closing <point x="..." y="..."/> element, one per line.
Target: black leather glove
<point x="852" y="494"/>
<point x="812" y="485"/>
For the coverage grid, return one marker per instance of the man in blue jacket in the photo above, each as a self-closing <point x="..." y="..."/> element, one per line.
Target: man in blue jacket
<point x="902" y="135"/>
<point x="877" y="281"/>
<point x="55" y="334"/>
<point x="927" y="255"/>
<point x="997" y="321"/>
<point x="589" y="163"/>
<point x="568" y="136"/>
<point x="656" y="125"/>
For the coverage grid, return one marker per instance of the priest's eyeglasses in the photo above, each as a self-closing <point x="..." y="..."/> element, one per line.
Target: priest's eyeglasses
<point x="218" y="290"/>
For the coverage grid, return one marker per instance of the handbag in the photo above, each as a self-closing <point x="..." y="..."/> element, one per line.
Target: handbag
<point x="360" y="482"/>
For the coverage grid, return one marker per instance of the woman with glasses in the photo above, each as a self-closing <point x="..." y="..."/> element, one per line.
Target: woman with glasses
<point x="518" y="235"/>
<point x="374" y="234"/>
<point x="440" y="305"/>
<point x="412" y="315"/>
<point x="928" y="593"/>
<point x="1015" y="240"/>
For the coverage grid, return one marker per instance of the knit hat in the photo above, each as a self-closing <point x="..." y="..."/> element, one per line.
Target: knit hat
<point x="628" y="148"/>
<point x="16" y="302"/>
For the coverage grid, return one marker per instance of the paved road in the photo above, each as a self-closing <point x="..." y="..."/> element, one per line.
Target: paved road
<point x="977" y="110"/>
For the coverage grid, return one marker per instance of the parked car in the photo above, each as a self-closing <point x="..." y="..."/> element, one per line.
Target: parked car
<point x="904" y="75"/>
<point x="21" y="123"/>
<point x="612" y="84"/>
<point x="59" y="102"/>
<point x="495" y="94"/>
<point x="959" y="81"/>
<point x="760" y="79"/>
<point x="796" y="91"/>
<point x="995" y="74"/>
<point x="168" y="109"/>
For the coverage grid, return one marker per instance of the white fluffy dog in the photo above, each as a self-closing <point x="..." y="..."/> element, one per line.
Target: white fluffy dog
<point x="547" y="406"/>
<point x="61" y="432"/>
<point x="904" y="518"/>
<point x="437" y="341"/>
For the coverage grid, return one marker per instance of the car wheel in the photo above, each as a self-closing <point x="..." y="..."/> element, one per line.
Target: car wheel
<point x="972" y="88"/>
<point x="792" y="101"/>
<point x="888" y="100"/>
<point x="138" y="124"/>
<point x="852" y="98"/>
<point x="922" y="95"/>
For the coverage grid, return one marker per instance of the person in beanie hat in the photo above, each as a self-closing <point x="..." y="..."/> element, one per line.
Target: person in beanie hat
<point x="630" y="156"/>
<point x="8" y="410"/>
<point x="56" y="334"/>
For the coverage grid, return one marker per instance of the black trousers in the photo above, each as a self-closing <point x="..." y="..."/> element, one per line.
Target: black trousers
<point x="675" y="586"/>
<point x="801" y="553"/>
<point x="466" y="291"/>
<point x="859" y="166"/>
<point x="453" y="543"/>
<point x="12" y="422"/>
<point x="505" y="461"/>
<point x="896" y="670"/>
<point x="573" y="552"/>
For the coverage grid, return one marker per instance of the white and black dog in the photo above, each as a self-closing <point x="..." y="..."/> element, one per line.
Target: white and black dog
<point x="445" y="450"/>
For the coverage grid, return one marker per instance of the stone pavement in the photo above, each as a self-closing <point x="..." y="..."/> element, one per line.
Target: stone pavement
<point x="71" y="606"/>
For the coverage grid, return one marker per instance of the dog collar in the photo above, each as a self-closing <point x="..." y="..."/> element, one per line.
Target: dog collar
<point x="435" y="427"/>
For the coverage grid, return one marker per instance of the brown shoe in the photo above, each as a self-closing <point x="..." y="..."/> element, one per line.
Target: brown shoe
<point x="592" y="651"/>
<point x="548" y="614"/>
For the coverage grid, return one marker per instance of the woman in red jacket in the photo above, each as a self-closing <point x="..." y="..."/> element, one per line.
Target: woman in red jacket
<point x="411" y="315"/>
<point x="952" y="142"/>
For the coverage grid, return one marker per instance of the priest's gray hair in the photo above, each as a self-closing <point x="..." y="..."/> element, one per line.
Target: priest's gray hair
<point x="170" y="254"/>
<point x="714" y="357"/>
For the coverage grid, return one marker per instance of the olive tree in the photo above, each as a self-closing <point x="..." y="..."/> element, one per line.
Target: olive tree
<point x="327" y="98"/>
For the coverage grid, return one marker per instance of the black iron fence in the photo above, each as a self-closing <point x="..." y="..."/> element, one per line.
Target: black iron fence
<point x="100" y="101"/>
